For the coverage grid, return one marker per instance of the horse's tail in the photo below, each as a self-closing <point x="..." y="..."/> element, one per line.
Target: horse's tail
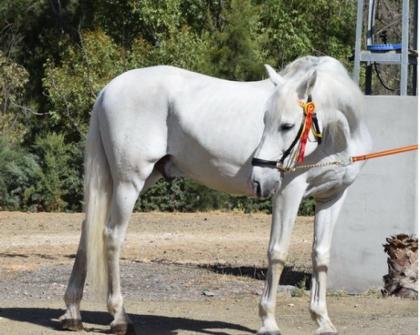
<point x="97" y="201"/>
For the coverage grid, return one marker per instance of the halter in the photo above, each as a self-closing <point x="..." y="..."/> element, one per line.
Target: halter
<point x="309" y="122"/>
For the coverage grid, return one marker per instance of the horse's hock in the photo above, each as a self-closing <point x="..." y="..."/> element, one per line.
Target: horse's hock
<point x="382" y="202"/>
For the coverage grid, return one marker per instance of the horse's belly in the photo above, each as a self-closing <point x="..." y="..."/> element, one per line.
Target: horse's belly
<point x="215" y="172"/>
<point x="215" y="154"/>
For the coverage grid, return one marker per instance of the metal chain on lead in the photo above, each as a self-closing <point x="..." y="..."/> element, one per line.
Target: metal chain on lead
<point x="309" y="166"/>
<point x="350" y="160"/>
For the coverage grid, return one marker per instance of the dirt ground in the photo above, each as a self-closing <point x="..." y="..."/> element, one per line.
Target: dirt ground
<point x="181" y="274"/>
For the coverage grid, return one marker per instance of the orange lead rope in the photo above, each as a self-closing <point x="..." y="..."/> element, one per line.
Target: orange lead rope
<point x="350" y="161"/>
<point x="384" y="153"/>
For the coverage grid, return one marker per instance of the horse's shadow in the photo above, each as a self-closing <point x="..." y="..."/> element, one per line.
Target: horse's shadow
<point x="144" y="324"/>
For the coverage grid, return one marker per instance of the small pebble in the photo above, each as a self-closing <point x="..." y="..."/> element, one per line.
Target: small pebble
<point x="285" y="288"/>
<point x="208" y="293"/>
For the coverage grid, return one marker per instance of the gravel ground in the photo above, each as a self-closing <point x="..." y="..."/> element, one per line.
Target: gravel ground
<point x="141" y="281"/>
<point x="180" y="275"/>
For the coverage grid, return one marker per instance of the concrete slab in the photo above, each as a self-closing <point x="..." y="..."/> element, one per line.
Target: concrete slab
<point x="382" y="201"/>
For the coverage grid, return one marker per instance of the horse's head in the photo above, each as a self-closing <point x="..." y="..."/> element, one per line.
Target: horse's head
<point x="285" y="120"/>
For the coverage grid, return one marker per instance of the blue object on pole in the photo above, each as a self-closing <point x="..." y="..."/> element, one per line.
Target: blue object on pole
<point x="384" y="47"/>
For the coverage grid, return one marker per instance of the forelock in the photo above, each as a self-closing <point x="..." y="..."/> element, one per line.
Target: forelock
<point x="284" y="101"/>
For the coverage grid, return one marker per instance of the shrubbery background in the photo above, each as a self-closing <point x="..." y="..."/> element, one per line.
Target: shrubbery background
<point x="56" y="55"/>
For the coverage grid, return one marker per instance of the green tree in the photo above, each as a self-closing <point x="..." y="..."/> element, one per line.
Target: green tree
<point x="58" y="180"/>
<point x="13" y="112"/>
<point x="299" y="28"/>
<point x="72" y="85"/>
<point x="19" y="172"/>
<point x="55" y="56"/>
<point x="288" y="31"/>
<point x="183" y="49"/>
<point x="236" y="51"/>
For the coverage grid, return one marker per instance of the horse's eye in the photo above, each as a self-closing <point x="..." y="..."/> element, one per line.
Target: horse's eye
<point x="286" y="126"/>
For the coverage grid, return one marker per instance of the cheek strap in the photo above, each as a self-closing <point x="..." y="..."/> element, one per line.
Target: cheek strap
<point x="309" y="123"/>
<point x="292" y="145"/>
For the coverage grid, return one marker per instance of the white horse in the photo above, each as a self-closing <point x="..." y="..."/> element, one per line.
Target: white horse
<point x="165" y="122"/>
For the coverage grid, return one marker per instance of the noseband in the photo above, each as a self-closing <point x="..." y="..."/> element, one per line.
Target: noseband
<point x="309" y="122"/>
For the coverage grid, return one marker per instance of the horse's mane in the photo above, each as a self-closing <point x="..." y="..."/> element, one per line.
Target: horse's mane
<point x="334" y="89"/>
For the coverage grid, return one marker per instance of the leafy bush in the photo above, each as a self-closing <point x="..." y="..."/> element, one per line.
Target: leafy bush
<point x="236" y="51"/>
<point x="19" y="173"/>
<point x="72" y="86"/>
<point x="184" y="195"/>
<point x="59" y="183"/>
<point x="307" y="207"/>
<point x="181" y="195"/>
<point x="13" y="78"/>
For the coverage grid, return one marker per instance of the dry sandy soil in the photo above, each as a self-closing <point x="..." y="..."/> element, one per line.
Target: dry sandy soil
<point x="182" y="274"/>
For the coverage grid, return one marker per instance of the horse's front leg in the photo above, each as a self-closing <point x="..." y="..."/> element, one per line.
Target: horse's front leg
<point x="325" y="219"/>
<point x="285" y="208"/>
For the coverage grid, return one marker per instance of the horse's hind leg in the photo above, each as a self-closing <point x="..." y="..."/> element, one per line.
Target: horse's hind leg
<point x="71" y="319"/>
<point x="123" y="200"/>
<point x="325" y="219"/>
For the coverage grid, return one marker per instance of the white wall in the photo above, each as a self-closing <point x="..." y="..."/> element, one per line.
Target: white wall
<point x="382" y="201"/>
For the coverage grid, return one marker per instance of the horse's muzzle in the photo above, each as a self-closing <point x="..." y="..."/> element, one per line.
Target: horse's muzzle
<point x="263" y="190"/>
<point x="256" y="188"/>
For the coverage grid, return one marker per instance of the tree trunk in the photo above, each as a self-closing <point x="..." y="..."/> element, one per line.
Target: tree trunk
<point x="401" y="279"/>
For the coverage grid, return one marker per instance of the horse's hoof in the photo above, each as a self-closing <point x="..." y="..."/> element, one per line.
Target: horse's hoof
<point x="72" y="324"/>
<point x="269" y="333"/>
<point x="123" y="329"/>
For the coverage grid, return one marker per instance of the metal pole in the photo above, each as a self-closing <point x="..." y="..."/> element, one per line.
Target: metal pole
<point x="415" y="34"/>
<point x="371" y="22"/>
<point x="368" y="79"/>
<point x="404" y="48"/>
<point x="358" y="44"/>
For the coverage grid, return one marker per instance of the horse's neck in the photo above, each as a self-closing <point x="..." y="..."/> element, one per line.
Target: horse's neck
<point x="340" y="141"/>
<point x="339" y="144"/>
<point x="351" y="139"/>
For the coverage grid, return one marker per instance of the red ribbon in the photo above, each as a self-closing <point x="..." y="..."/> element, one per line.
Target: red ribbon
<point x="309" y="109"/>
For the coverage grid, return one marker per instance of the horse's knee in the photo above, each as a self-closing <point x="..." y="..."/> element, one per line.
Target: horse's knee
<point x="277" y="255"/>
<point x="321" y="257"/>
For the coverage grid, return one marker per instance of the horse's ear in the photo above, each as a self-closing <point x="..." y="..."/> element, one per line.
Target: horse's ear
<point x="307" y="84"/>
<point x="274" y="76"/>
